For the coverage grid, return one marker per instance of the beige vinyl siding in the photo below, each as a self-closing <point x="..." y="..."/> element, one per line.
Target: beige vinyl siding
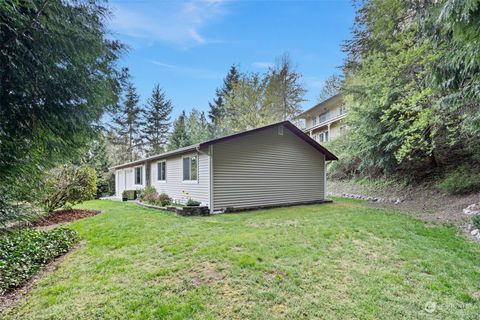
<point x="266" y="168"/>
<point x="174" y="185"/>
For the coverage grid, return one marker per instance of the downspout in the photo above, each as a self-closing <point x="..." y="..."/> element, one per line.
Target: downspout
<point x="147" y="174"/>
<point x="325" y="193"/>
<point x="210" y="169"/>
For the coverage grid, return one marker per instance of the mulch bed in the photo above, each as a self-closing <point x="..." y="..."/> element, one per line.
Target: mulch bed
<point x="65" y="216"/>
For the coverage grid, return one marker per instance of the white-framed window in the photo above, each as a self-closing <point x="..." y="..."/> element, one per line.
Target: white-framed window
<point x="323" y="117"/>
<point x="162" y="171"/>
<point x="138" y="175"/>
<point x="323" y="136"/>
<point x="190" y="168"/>
<point x="314" y="121"/>
<point x="343" y="109"/>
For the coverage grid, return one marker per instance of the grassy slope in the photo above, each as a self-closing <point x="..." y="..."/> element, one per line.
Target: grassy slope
<point x="340" y="260"/>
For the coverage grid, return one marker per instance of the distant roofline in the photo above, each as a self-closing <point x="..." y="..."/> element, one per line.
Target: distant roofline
<point x="321" y="103"/>
<point x="288" y="124"/>
<point x="157" y="156"/>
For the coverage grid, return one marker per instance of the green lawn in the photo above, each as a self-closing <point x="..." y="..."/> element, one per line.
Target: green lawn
<point x="341" y="260"/>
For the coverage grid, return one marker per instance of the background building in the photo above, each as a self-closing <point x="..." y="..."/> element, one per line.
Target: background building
<point x="325" y="120"/>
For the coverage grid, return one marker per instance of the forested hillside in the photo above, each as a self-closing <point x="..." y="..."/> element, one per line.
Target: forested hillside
<point x="412" y="83"/>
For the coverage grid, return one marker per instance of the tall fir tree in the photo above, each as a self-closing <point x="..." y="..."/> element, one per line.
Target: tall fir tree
<point x="58" y="71"/>
<point x="179" y="137"/>
<point x="127" y="123"/>
<point x="217" y="111"/>
<point x="97" y="157"/>
<point x="197" y="126"/>
<point x="157" y="122"/>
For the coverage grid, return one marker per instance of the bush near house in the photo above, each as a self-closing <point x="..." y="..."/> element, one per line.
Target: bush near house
<point x="129" y="194"/>
<point x="24" y="252"/>
<point x="150" y="195"/>
<point x="68" y="185"/>
<point x="193" y="203"/>
<point x="148" y="192"/>
<point x="164" y="199"/>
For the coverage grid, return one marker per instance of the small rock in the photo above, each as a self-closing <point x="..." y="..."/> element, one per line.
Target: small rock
<point x="472" y="209"/>
<point x="474" y="233"/>
<point x="398" y="201"/>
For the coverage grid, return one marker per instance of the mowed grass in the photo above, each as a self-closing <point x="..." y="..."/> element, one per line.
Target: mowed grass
<point x="331" y="261"/>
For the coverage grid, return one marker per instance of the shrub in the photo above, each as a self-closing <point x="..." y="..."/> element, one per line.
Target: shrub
<point x="130" y="194"/>
<point x="476" y="221"/>
<point x="68" y="185"/>
<point x="192" y="203"/>
<point x="151" y="198"/>
<point x="146" y="192"/>
<point x="461" y="180"/>
<point x="164" y="200"/>
<point x="22" y="253"/>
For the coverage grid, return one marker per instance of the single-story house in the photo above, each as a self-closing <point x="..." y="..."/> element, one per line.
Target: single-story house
<point x="269" y="166"/>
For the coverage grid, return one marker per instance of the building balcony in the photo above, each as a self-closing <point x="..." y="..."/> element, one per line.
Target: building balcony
<point x="325" y="123"/>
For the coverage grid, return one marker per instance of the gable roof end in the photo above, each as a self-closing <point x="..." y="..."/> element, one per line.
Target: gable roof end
<point x="287" y="124"/>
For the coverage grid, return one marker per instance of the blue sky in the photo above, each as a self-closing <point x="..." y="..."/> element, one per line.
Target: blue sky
<point x="188" y="46"/>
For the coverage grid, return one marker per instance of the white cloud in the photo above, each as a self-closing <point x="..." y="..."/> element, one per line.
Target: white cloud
<point x="199" y="73"/>
<point x="262" y="65"/>
<point x="177" y="23"/>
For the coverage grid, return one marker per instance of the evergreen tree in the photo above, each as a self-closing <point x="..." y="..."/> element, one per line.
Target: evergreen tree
<point x="97" y="155"/>
<point x="157" y="122"/>
<point x="97" y="158"/>
<point x="217" y="110"/>
<point x="128" y="122"/>
<point x="197" y="127"/>
<point x="58" y="74"/>
<point x="179" y="137"/>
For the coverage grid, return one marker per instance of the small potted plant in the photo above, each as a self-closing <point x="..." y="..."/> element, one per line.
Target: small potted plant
<point x="125" y="195"/>
<point x="193" y="203"/>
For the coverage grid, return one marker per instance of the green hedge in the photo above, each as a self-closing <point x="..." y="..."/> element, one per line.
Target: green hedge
<point x="24" y="252"/>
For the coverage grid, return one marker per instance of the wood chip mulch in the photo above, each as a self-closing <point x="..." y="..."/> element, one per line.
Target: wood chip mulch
<point x="65" y="216"/>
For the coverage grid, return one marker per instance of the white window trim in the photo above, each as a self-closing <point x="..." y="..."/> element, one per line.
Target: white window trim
<point x="134" y="176"/>
<point x="163" y="181"/>
<point x="189" y="156"/>
<point x="323" y="134"/>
